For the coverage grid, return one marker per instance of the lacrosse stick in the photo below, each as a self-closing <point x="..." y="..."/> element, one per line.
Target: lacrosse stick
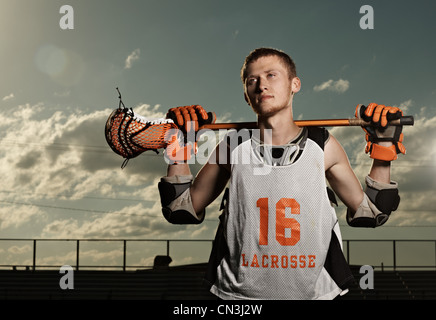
<point x="403" y="121"/>
<point x="129" y="134"/>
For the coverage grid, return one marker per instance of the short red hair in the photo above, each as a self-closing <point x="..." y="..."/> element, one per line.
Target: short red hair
<point x="266" y="52"/>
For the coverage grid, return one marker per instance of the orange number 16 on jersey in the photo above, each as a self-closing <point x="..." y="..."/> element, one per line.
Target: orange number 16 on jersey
<point x="282" y="222"/>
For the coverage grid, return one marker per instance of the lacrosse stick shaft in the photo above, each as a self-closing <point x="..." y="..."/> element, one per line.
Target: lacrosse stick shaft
<point x="403" y="121"/>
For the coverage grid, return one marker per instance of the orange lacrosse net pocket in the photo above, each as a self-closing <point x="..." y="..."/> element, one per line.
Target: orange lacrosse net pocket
<point x="130" y="135"/>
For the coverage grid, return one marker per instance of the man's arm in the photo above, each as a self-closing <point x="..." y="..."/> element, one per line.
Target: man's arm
<point x="184" y="198"/>
<point x="380" y="196"/>
<point x="370" y="207"/>
<point x="365" y="208"/>
<point x="207" y="185"/>
<point x="341" y="176"/>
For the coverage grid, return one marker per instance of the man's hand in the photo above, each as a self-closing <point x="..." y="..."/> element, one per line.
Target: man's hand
<point x="384" y="142"/>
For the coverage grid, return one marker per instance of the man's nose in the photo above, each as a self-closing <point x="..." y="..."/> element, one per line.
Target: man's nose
<point x="262" y="85"/>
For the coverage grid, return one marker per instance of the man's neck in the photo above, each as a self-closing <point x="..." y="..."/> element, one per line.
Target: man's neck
<point x="278" y="129"/>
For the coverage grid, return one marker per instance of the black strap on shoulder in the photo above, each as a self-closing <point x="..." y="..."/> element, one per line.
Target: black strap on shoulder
<point x="319" y="135"/>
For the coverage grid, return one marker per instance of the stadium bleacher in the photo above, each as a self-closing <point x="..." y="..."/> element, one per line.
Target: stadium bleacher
<point x="184" y="283"/>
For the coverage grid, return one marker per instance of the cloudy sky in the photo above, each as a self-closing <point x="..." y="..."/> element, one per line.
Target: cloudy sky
<point x="57" y="87"/>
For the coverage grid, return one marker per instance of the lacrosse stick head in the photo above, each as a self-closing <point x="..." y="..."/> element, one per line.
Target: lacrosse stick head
<point x="129" y="135"/>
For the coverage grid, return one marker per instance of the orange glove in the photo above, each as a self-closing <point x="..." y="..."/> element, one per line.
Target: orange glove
<point x="182" y="144"/>
<point x="379" y="116"/>
<point x="184" y="117"/>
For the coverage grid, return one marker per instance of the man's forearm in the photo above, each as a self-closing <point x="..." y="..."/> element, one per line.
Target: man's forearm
<point x="178" y="169"/>
<point x="381" y="170"/>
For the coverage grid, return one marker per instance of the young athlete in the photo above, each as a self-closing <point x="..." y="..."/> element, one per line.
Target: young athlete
<point x="278" y="236"/>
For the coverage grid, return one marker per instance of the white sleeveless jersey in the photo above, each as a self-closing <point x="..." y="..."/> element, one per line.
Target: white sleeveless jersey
<point x="277" y="226"/>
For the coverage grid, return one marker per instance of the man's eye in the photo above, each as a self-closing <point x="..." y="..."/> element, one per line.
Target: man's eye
<point x="271" y="75"/>
<point x="251" y="81"/>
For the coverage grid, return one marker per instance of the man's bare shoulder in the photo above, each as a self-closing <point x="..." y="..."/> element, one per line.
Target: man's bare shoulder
<point x="334" y="153"/>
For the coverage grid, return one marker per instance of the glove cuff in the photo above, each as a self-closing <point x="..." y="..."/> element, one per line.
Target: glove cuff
<point x="383" y="153"/>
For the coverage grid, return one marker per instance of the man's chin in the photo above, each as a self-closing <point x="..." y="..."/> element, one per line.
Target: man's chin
<point x="267" y="111"/>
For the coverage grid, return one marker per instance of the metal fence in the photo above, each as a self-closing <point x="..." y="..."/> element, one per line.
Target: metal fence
<point x="392" y="254"/>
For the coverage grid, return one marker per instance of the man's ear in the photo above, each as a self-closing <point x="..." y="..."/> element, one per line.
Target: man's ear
<point x="246" y="98"/>
<point x="295" y="84"/>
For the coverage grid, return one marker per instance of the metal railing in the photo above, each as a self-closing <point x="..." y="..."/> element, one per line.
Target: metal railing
<point x="77" y="265"/>
<point x="349" y="249"/>
<point x="429" y="255"/>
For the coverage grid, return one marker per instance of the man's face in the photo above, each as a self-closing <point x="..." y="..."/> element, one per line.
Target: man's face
<point x="268" y="88"/>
